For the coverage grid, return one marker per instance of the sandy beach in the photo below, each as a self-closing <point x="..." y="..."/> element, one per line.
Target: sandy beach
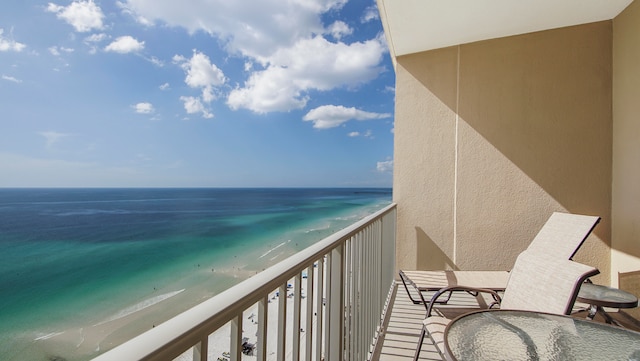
<point x="139" y="318"/>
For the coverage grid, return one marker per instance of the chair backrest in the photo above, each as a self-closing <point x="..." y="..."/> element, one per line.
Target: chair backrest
<point x="544" y="284"/>
<point x="563" y="234"/>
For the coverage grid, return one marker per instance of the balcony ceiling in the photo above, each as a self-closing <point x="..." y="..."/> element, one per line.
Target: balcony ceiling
<point x="413" y="26"/>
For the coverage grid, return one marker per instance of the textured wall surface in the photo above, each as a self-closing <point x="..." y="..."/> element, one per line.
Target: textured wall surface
<point x="626" y="146"/>
<point x="493" y="136"/>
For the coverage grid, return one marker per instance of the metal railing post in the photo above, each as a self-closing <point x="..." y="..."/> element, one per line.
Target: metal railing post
<point x="297" y="293"/>
<point x="336" y="305"/>
<point x="282" y="323"/>
<point x="236" y="338"/>
<point x="320" y="310"/>
<point x="201" y="349"/>
<point x="308" y="344"/>
<point x="262" y="329"/>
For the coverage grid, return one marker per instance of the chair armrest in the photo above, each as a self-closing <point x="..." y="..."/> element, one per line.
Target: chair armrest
<point x="471" y="290"/>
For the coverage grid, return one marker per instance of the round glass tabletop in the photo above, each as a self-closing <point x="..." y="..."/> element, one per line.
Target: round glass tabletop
<point x="606" y="296"/>
<point x="523" y="335"/>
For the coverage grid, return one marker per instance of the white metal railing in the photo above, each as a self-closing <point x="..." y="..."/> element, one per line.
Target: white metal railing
<point x="347" y="277"/>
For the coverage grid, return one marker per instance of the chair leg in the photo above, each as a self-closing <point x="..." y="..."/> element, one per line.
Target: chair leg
<point x="404" y="282"/>
<point x="424" y="333"/>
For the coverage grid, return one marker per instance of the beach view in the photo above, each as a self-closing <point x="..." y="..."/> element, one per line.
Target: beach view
<point x="155" y="153"/>
<point x="252" y="180"/>
<point x="86" y="269"/>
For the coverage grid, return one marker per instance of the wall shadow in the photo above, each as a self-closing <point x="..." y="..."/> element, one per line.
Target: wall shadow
<point x="544" y="101"/>
<point x="429" y="256"/>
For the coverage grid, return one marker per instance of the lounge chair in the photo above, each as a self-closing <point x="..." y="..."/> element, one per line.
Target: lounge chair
<point x="559" y="238"/>
<point x="536" y="283"/>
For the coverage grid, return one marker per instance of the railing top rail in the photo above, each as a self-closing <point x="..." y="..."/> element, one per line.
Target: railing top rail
<point x="181" y="332"/>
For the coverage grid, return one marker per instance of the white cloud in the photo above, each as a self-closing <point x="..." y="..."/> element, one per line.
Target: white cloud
<point x="11" y="79"/>
<point x="10" y="44"/>
<point x="155" y="61"/>
<point x="208" y="95"/>
<point x="200" y="74"/>
<point x="249" y="27"/>
<point x="125" y="44"/>
<point x="268" y="91"/>
<point x="193" y="105"/>
<point x="283" y="37"/>
<point x="164" y="86"/>
<point x="339" y="29"/>
<point x="128" y="11"/>
<point x="53" y="137"/>
<point x="144" y="108"/>
<point x="385" y="166"/>
<point x="95" y="38"/>
<point x="312" y="64"/>
<point x="330" y="116"/>
<point x="367" y="134"/>
<point x="55" y="50"/>
<point x="84" y="16"/>
<point x="370" y="13"/>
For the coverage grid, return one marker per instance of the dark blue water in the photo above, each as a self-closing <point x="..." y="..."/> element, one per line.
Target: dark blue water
<point x="74" y="258"/>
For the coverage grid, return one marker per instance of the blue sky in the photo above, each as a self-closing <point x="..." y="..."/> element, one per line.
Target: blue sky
<point x="194" y="93"/>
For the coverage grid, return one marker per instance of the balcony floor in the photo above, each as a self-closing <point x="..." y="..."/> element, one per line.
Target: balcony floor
<point x="403" y="324"/>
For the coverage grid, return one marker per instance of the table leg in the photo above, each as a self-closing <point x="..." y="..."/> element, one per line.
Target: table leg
<point x="608" y="319"/>
<point x="593" y="309"/>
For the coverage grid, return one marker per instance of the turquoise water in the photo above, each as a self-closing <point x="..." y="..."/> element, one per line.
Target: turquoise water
<point x="82" y="270"/>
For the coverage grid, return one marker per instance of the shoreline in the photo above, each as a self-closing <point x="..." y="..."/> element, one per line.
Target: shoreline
<point x="88" y="340"/>
<point x="113" y="316"/>
<point x="93" y="340"/>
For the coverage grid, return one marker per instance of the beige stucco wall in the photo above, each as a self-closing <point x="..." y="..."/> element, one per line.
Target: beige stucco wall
<point x="626" y="142"/>
<point x="492" y="137"/>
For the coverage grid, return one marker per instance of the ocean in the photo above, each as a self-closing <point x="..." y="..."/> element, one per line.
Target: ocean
<point x="82" y="270"/>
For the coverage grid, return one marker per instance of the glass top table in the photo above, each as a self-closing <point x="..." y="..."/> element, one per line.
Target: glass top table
<point x="598" y="296"/>
<point x="525" y="335"/>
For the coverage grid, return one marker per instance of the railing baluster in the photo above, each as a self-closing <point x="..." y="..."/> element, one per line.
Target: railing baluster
<point x="371" y="295"/>
<point x="366" y="286"/>
<point x="201" y="349"/>
<point x="355" y="296"/>
<point x="261" y="346"/>
<point x="375" y="319"/>
<point x="282" y="323"/>
<point x="367" y="292"/>
<point x="236" y="338"/>
<point x="336" y="305"/>
<point x="308" y="349"/>
<point x="327" y="308"/>
<point x="297" y="293"/>
<point x="378" y="274"/>
<point x="320" y="291"/>
<point x="348" y="286"/>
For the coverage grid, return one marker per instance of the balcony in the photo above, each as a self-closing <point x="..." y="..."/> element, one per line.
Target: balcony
<point x="336" y="300"/>
<point x="324" y="303"/>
